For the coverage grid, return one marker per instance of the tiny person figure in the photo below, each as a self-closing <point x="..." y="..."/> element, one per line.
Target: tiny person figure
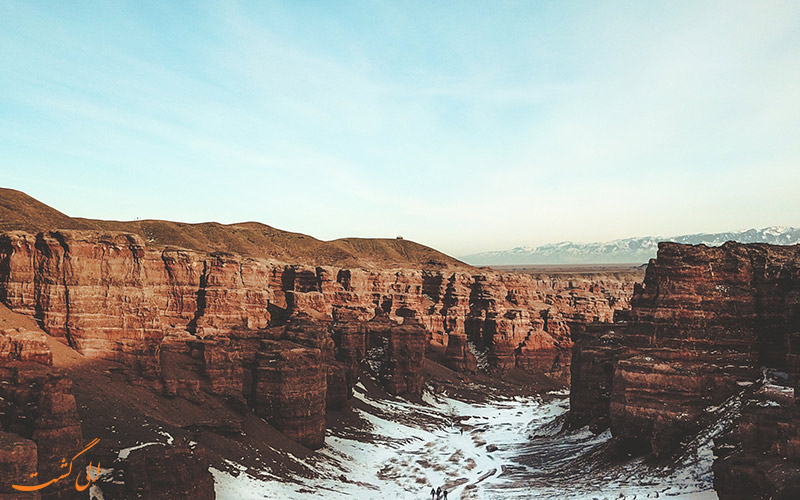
<point x="438" y="493"/>
<point x="433" y="494"/>
<point x="444" y="494"/>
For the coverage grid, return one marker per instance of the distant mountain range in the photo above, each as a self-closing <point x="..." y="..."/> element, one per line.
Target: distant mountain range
<point x="628" y="250"/>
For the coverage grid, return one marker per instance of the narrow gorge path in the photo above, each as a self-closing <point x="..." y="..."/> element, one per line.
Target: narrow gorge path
<point x="505" y="447"/>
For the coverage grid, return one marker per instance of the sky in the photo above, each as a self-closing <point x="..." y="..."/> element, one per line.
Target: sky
<point x="466" y="126"/>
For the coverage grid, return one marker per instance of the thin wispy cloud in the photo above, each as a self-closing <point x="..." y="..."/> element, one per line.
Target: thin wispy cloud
<point x="464" y="126"/>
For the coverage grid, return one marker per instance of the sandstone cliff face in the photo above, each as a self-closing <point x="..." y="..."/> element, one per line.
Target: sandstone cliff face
<point x="597" y="348"/>
<point x="699" y="328"/>
<point x="760" y="458"/>
<point x="458" y="356"/>
<point x="39" y="417"/>
<point x="174" y="472"/>
<point x="396" y="354"/>
<point x="39" y="423"/>
<point x="18" y="460"/>
<point x="41" y="427"/>
<point x="189" y="323"/>
<point x="109" y="295"/>
<point x="289" y="390"/>
<point x="20" y="344"/>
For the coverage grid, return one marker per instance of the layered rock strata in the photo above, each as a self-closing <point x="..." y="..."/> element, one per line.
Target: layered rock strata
<point x="700" y="326"/>
<point x="597" y="348"/>
<point x="177" y="471"/>
<point x="18" y="462"/>
<point x="40" y="423"/>
<point x="41" y="430"/>
<point x="192" y="324"/>
<point x="458" y="356"/>
<point x="109" y="295"/>
<point x="396" y="354"/>
<point x="20" y="344"/>
<point x="760" y="458"/>
<point x="289" y="390"/>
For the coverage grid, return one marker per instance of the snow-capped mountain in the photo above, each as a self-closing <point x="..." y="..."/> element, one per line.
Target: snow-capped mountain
<point x="628" y="250"/>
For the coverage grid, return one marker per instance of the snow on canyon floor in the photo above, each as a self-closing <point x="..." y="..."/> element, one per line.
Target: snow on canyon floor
<point x="505" y="447"/>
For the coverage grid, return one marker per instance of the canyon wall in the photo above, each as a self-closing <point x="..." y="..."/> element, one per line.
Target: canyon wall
<point x="700" y="328"/>
<point x="39" y="423"/>
<point x="759" y="458"/>
<point x="286" y="340"/>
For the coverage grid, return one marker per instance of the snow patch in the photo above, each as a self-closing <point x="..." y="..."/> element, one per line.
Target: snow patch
<point x="125" y="452"/>
<point x="509" y="448"/>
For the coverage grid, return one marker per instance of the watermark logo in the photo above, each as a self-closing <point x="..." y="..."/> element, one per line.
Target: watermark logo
<point x="68" y="466"/>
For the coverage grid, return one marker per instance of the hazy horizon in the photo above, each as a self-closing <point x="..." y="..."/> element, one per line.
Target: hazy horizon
<point x="463" y="126"/>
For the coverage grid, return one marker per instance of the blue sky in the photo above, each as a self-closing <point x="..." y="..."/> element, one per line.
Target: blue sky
<point x="467" y="126"/>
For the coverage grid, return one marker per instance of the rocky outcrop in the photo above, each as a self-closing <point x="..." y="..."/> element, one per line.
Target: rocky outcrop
<point x="350" y="340"/>
<point x="20" y="344"/>
<point x="37" y="406"/>
<point x="458" y="356"/>
<point x="18" y="465"/>
<point x="760" y="458"/>
<point x="288" y="341"/>
<point x="656" y="401"/>
<point x="597" y="348"/>
<point x="304" y="330"/>
<point x="289" y="390"/>
<point x="176" y="471"/>
<point x="191" y="367"/>
<point x="396" y="354"/>
<point x="234" y="294"/>
<point x="700" y="326"/>
<point x="540" y="353"/>
<point x="704" y="320"/>
<point x="41" y="430"/>
<point x="110" y="295"/>
<point x="523" y="321"/>
<point x="191" y="324"/>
